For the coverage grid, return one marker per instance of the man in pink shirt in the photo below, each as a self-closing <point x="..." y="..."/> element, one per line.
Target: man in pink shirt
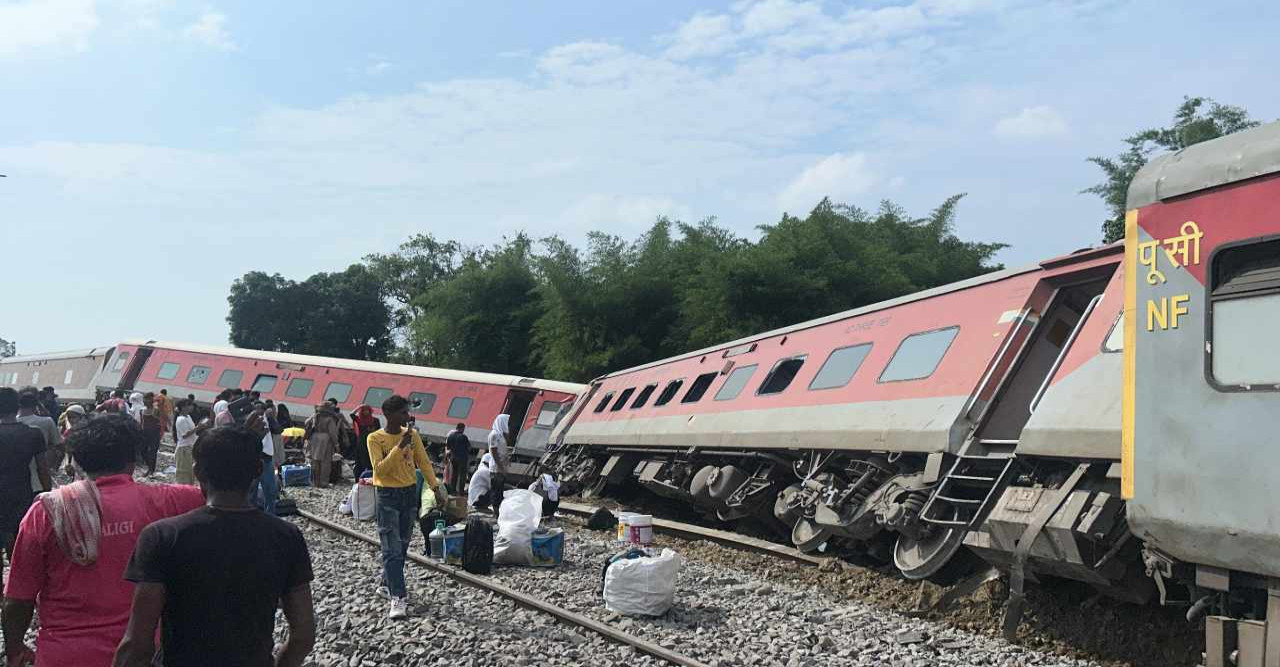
<point x="72" y="568"/>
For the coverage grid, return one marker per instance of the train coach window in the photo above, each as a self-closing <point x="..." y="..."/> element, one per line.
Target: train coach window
<point x="338" y="391"/>
<point x="299" y="388"/>
<point x="840" y="367"/>
<point x="918" y="355"/>
<point x="644" y="395"/>
<point x="421" y="402"/>
<point x="264" y="384"/>
<point x="35" y="377"/>
<point x="168" y="371"/>
<point x="547" y="413"/>
<point x="781" y="376"/>
<point x="623" y="398"/>
<point x="376" y="395"/>
<point x="120" y="359"/>
<point x="198" y="375"/>
<point x="460" y="407"/>
<point x="66" y="379"/>
<point x="604" y="402"/>
<point x="1244" y="315"/>
<point x="699" y="387"/>
<point x="669" y="392"/>
<point x="230" y="378"/>
<point x="735" y="383"/>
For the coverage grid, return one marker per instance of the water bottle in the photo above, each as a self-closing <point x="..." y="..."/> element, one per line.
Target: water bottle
<point x="436" y="539"/>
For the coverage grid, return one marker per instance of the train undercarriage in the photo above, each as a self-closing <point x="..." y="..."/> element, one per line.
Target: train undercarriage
<point x="934" y="517"/>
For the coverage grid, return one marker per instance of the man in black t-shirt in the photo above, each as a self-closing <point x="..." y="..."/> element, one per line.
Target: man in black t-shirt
<point x="217" y="574"/>
<point x="19" y="446"/>
<point x="458" y="449"/>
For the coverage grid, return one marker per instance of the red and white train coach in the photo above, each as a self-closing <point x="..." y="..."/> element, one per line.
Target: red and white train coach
<point x="893" y="427"/>
<point x="443" y="397"/>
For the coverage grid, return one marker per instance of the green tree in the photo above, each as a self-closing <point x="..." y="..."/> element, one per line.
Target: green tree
<point x="1197" y="119"/>
<point x="417" y="265"/>
<point x="345" y="315"/>
<point x="7" y="349"/>
<point x="481" y="317"/>
<point x="836" y="258"/>
<point x="611" y="309"/>
<point x="266" y="313"/>
<point x="339" y="314"/>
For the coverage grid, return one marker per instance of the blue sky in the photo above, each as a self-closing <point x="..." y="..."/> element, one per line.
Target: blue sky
<point x="156" y="150"/>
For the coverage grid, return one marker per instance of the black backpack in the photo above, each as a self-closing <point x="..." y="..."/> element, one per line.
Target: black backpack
<point x="477" y="547"/>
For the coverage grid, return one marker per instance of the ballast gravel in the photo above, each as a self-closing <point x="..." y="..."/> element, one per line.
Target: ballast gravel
<point x="722" y="616"/>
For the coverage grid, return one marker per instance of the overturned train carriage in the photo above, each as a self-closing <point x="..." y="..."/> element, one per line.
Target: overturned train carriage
<point x="951" y="421"/>
<point x="1107" y="417"/>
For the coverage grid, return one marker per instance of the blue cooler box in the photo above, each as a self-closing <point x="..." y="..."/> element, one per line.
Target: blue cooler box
<point x="453" y="536"/>
<point x="296" y="475"/>
<point x="548" y="548"/>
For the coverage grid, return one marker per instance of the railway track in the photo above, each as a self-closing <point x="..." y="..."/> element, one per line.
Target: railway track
<point x="723" y="537"/>
<point x="528" y="601"/>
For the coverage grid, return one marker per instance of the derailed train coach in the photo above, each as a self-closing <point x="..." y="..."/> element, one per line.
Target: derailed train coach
<point x="892" y="428"/>
<point x="440" y="398"/>
<point x="1106" y="416"/>
<point x="73" y="374"/>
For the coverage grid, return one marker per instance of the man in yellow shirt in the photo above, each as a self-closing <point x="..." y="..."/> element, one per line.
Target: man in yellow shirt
<point x="395" y="452"/>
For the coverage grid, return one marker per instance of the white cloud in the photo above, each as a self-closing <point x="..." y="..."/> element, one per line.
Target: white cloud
<point x="35" y="25"/>
<point x="702" y="36"/>
<point x="377" y="65"/>
<point x="772" y="16"/>
<point x="211" y="29"/>
<point x="842" y="177"/>
<point x="1038" y="122"/>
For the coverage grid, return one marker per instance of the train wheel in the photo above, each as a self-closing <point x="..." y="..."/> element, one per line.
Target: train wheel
<point x="807" y="535"/>
<point x="722" y="485"/>
<point x="926" y="556"/>
<point x="698" y="487"/>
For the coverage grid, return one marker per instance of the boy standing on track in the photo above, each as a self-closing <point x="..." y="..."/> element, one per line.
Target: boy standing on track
<point x="217" y="574"/>
<point x="73" y="546"/>
<point x="395" y="452"/>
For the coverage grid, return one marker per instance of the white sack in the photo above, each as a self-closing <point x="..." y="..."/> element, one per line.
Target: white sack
<point x="364" y="499"/>
<point x="642" y="586"/>
<point x="518" y="517"/>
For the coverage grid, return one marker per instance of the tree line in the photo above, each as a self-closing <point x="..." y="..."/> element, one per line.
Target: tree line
<point x="547" y="308"/>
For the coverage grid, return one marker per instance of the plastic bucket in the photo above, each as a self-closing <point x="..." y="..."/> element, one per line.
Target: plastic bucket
<point x="640" y="529"/>
<point x="624" y="520"/>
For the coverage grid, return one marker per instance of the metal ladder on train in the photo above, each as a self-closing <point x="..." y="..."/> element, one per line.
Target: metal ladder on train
<point x="965" y="494"/>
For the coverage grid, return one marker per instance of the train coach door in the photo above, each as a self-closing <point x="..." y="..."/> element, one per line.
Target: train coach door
<point x="517" y="406"/>
<point x="1075" y="297"/>
<point x="135" y="367"/>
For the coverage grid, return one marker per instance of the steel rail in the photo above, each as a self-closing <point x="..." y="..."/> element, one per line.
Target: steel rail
<point x="527" y="601"/>
<point x="723" y="537"/>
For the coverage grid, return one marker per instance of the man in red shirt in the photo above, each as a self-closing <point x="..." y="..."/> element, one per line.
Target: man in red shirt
<point x="73" y="546"/>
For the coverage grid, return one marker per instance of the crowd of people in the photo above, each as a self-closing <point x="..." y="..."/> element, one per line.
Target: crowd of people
<point x="104" y="560"/>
